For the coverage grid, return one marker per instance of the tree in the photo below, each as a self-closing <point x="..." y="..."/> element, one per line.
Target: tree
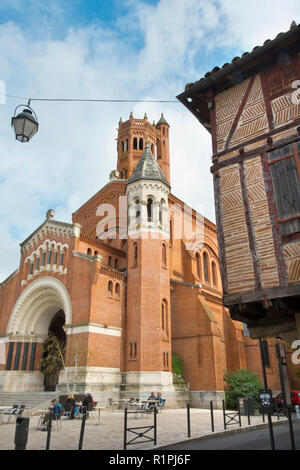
<point x="53" y="360"/>
<point x="241" y="383"/>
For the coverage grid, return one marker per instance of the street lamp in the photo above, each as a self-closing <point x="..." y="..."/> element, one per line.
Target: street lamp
<point x="25" y="124"/>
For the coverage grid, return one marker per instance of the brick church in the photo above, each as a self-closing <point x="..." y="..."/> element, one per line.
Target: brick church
<point x="133" y="280"/>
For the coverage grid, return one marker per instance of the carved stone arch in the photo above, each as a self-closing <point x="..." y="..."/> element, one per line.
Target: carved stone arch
<point x="36" y="306"/>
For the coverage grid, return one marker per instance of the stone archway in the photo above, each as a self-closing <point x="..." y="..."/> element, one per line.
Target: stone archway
<point x="33" y="314"/>
<point x="37" y="305"/>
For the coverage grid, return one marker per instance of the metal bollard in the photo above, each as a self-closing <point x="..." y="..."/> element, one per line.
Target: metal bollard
<point x="297" y="409"/>
<point x="49" y="427"/>
<point x="82" y="431"/>
<point x="21" y="434"/>
<point x="188" y="419"/>
<point x="212" y="417"/>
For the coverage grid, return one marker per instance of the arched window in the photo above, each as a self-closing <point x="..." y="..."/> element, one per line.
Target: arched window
<point x="117" y="290"/>
<point x="49" y="257"/>
<point x="141" y="144"/>
<point x="135" y="254"/>
<point x="55" y="257"/>
<point x="164" y="316"/>
<point x="109" y="261"/>
<point x="123" y="244"/>
<point x="171" y="231"/>
<point x="37" y="262"/>
<point x="43" y="258"/>
<point x="198" y="262"/>
<point x="61" y="258"/>
<point x="164" y="254"/>
<point x="205" y="267"/>
<point x="214" y="273"/>
<point x="116" y="264"/>
<point x="149" y="209"/>
<point x="110" y="288"/>
<point x="135" y="143"/>
<point x="96" y="253"/>
<point x="31" y="268"/>
<point x="137" y="210"/>
<point x="162" y="212"/>
<point x="89" y="251"/>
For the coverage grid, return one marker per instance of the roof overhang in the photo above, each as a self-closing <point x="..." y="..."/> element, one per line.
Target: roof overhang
<point x="198" y="96"/>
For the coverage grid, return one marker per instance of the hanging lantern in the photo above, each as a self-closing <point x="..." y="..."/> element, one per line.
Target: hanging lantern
<point x="25" y="124"/>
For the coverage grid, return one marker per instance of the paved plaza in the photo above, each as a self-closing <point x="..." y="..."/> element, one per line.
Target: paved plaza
<point x="109" y="433"/>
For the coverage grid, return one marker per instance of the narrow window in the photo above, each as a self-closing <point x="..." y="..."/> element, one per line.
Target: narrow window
<point x="31" y="268"/>
<point x="9" y="355"/>
<point x="116" y="264"/>
<point x="141" y="144"/>
<point x="109" y="261"/>
<point x="171" y="232"/>
<point x="135" y="143"/>
<point x="198" y="262"/>
<point x="55" y="257"/>
<point x="135" y="254"/>
<point x="214" y="273"/>
<point x="164" y="254"/>
<point x="205" y="267"/>
<point x="61" y="258"/>
<point x="110" y="289"/>
<point x="43" y="259"/>
<point x="117" y="290"/>
<point x="49" y="257"/>
<point x="89" y="251"/>
<point x="37" y="262"/>
<point x="149" y="209"/>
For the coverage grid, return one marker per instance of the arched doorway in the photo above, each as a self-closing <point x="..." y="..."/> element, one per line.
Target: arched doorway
<point x="44" y="306"/>
<point x="53" y="353"/>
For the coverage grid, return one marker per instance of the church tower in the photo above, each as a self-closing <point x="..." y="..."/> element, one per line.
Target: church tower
<point x="162" y="143"/>
<point x="148" y="335"/>
<point x="132" y="137"/>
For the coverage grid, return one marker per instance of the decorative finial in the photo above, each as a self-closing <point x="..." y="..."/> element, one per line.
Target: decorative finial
<point x="145" y="117"/>
<point x="50" y="214"/>
<point x="120" y="122"/>
<point x="293" y="24"/>
<point x="131" y="115"/>
<point x="153" y="123"/>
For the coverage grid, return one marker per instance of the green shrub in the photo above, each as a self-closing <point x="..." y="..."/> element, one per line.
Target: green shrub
<point x="241" y="383"/>
<point x="176" y="365"/>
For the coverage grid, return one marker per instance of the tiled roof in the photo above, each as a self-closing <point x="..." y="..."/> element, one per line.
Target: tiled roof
<point x="236" y="61"/>
<point x="148" y="168"/>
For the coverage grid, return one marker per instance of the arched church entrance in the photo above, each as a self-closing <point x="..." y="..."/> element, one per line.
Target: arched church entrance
<point x="53" y="352"/>
<point x="42" y="309"/>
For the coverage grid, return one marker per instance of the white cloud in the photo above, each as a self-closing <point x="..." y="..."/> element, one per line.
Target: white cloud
<point x="150" y="53"/>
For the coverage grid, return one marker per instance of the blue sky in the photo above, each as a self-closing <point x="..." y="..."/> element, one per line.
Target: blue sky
<point x="126" y="49"/>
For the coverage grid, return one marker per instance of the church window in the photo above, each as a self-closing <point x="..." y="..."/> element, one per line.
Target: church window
<point x="135" y="143"/>
<point x="117" y="290"/>
<point x="109" y="261"/>
<point x="141" y="144"/>
<point x="89" y="251"/>
<point x="198" y="262"/>
<point x="164" y="316"/>
<point x="135" y="254"/>
<point x="116" y="264"/>
<point x="132" y="350"/>
<point x="205" y="267"/>
<point x="110" y="288"/>
<point x="49" y="257"/>
<point x="37" y="262"/>
<point x="55" y="257"/>
<point x="43" y="258"/>
<point x="164" y="254"/>
<point x="31" y="268"/>
<point x="96" y="253"/>
<point x="171" y="232"/>
<point x="149" y="209"/>
<point x="61" y="258"/>
<point x="214" y="273"/>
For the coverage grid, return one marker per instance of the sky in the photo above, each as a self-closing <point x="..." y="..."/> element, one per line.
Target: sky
<point x="110" y="49"/>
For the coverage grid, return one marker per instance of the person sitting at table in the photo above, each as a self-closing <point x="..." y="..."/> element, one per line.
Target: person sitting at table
<point x="88" y="399"/>
<point x="54" y="410"/>
<point x="159" y="399"/>
<point x="152" y="396"/>
<point x="71" y="401"/>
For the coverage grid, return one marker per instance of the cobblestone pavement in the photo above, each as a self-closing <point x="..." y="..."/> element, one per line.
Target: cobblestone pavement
<point x="109" y="434"/>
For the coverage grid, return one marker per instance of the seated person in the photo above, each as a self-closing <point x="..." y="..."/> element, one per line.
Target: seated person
<point x="88" y="399"/>
<point x="160" y="400"/>
<point x="54" y="410"/>
<point x="71" y="401"/>
<point x="152" y="396"/>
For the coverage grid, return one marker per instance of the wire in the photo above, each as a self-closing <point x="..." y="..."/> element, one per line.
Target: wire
<point x="90" y="100"/>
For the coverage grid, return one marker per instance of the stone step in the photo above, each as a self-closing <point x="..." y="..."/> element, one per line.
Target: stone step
<point x="30" y="399"/>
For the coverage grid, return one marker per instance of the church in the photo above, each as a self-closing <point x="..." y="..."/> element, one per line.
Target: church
<point x="131" y="283"/>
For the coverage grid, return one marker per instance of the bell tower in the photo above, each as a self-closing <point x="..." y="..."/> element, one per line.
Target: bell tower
<point x="132" y="137"/>
<point x="148" y="327"/>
